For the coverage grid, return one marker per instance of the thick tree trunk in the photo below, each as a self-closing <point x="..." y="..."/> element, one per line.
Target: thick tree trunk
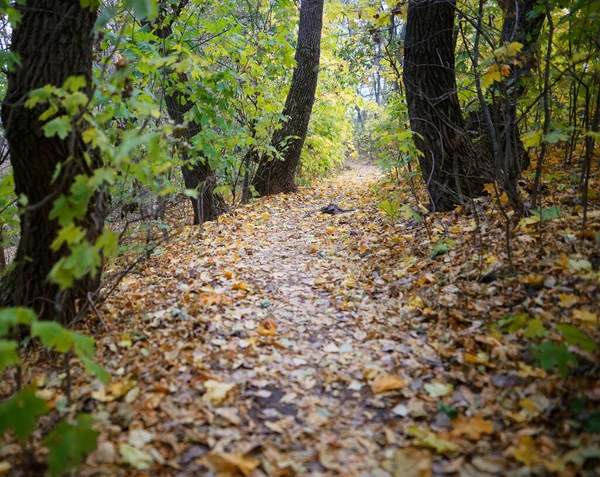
<point x="54" y="42"/>
<point x="450" y="167"/>
<point x="273" y="175"/>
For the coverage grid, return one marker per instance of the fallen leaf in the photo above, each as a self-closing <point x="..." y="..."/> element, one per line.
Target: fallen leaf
<point x="436" y="390"/>
<point x="229" y="464"/>
<point x="385" y="383"/>
<point x="267" y="328"/>
<point x="473" y="427"/>
<point x="136" y="458"/>
<point x="216" y="391"/>
<point x="426" y="438"/>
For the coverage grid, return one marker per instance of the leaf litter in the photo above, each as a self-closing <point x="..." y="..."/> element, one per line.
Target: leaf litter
<point x="284" y="341"/>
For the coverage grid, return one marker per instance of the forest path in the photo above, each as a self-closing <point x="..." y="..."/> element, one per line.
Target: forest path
<point x="277" y="303"/>
<point x="282" y="341"/>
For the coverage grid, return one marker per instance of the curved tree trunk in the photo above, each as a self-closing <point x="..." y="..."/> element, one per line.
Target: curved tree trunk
<point x="54" y="42"/>
<point x="522" y="25"/>
<point x="450" y="167"/>
<point x="197" y="175"/>
<point x="275" y="176"/>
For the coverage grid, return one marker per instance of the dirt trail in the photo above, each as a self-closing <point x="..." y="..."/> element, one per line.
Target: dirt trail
<point x="271" y="301"/>
<point x="283" y="341"/>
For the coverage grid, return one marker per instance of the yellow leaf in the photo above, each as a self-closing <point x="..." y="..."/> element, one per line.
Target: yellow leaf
<point x="472" y="427"/>
<point x="490" y="188"/>
<point x="532" y="138"/>
<point x="231" y="464"/>
<point x="267" y="328"/>
<point x="216" y="392"/>
<point x="436" y="390"/>
<point x="508" y="50"/>
<point x="526" y="452"/>
<point x="585" y="316"/>
<point x="567" y="301"/>
<point x="428" y="439"/>
<point x="266" y="216"/>
<point x="416" y="302"/>
<point x="385" y="383"/>
<point x="125" y="341"/>
<point x="240" y="286"/>
<point x="492" y="75"/>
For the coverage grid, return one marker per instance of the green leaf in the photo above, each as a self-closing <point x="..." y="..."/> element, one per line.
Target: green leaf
<point x="94" y="368"/>
<point x="389" y="208"/>
<point x="9" y="355"/>
<point x="574" y="336"/>
<point x="84" y="345"/>
<point x="69" y="444"/>
<point x="19" y="413"/>
<point x="10" y="317"/>
<point x="532" y="139"/>
<point x="135" y="457"/>
<point x="514" y="322"/>
<point x="142" y="8"/>
<point x="69" y="235"/>
<point x="52" y="335"/>
<point x="592" y="423"/>
<point x="550" y="354"/>
<point x="105" y="16"/>
<point x="410" y="212"/>
<point x="60" y="126"/>
<point x="449" y="411"/>
<point x="548" y="213"/>
<point x="108" y="242"/>
<point x="535" y="329"/>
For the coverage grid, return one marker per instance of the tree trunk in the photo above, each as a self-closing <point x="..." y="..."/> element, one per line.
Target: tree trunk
<point x="197" y="175"/>
<point x="54" y="42"/>
<point x="520" y="25"/>
<point x="273" y="175"/>
<point x="450" y="167"/>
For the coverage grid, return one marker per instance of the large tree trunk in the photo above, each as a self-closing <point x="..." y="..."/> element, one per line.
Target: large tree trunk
<point x="450" y="167"/>
<point x="273" y="175"/>
<point x="54" y="42"/>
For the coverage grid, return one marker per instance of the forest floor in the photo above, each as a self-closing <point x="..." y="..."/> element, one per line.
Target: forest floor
<point x="283" y="341"/>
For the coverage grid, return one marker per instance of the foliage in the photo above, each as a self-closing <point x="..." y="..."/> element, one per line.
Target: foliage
<point x="67" y="443"/>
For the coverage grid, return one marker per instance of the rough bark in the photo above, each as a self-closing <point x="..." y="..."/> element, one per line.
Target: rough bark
<point x="521" y="25"/>
<point x="273" y="175"/>
<point x="449" y="164"/>
<point x="54" y="42"/>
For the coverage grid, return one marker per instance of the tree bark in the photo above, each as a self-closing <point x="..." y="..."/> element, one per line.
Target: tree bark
<point x="54" y="42"/>
<point x="449" y="164"/>
<point x="197" y="175"/>
<point x="273" y="175"/>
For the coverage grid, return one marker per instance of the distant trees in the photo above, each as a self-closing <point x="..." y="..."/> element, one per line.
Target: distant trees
<point x="54" y="42"/>
<point x="273" y="175"/>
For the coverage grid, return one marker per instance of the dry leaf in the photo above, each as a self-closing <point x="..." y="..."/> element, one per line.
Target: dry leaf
<point x="472" y="427"/>
<point x="216" y="391"/>
<point x="385" y="383"/>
